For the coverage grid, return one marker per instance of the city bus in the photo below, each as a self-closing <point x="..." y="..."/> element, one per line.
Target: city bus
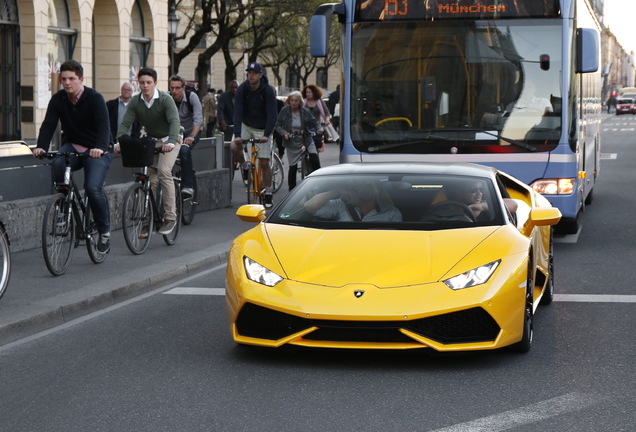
<point x="513" y="84"/>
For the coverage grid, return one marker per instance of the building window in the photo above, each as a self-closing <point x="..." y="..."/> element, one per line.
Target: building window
<point x="61" y="37"/>
<point x="139" y="43"/>
<point x="321" y="77"/>
<point x="10" y="76"/>
<point x="292" y="79"/>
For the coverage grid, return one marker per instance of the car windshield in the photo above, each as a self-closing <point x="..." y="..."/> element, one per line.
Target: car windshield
<point x="391" y="201"/>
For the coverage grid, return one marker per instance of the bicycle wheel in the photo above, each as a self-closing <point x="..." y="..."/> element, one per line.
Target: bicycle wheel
<point x="189" y="204"/>
<point x="252" y="184"/>
<point x="92" y="236"/>
<point x="278" y="173"/>
<point x="136" y="215"/>
<point x="171" y="238"/>
<point x="5" y="260"/>
<point x="305" y="169"/>
<point x="58" y="234"/>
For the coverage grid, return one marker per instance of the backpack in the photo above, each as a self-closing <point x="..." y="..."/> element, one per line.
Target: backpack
<point x="187" y="97"/>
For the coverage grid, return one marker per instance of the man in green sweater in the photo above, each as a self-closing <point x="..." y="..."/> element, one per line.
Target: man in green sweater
<point x="157" y="113"/>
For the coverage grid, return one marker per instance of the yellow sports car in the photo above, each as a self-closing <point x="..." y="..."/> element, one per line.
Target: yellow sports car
<point x="393" y="256"/>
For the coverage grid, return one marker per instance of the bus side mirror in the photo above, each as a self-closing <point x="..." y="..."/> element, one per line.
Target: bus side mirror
<point x="320" y="27"/>
<point x="587" y="50"/>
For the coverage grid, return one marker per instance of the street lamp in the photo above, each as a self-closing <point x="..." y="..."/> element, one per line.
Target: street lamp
<point x="173" y="24"/>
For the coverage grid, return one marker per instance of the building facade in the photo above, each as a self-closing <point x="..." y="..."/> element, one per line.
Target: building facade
<point x="111" y="38"/>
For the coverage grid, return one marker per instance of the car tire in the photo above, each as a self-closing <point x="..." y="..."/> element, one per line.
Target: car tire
<point x="524" y="345"/>
<point x="548" y="294"/>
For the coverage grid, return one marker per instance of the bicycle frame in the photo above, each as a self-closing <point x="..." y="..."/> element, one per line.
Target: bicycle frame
<point x="254" y="191"/>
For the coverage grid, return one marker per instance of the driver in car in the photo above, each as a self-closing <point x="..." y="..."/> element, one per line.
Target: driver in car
<point x="359" y="202"/>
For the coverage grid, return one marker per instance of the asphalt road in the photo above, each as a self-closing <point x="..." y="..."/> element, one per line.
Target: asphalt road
<point x="166" y="362"/>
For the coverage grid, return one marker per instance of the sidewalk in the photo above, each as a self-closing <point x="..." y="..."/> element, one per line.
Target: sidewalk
<point x="35" y="300"/>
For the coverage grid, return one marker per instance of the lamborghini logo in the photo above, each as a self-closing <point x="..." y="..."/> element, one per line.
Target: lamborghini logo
<point x="358" y="293"/>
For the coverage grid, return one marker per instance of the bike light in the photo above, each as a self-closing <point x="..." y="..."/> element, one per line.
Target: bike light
<point x="474" y="277"/>
<point x="563" y="186"/>
<point x="260" y="274"/>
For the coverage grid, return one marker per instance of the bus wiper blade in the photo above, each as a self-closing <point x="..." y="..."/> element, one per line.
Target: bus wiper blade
<point x="517" y="143"/>
<point x="521" y="144"/>
<point x="430" y="138"/>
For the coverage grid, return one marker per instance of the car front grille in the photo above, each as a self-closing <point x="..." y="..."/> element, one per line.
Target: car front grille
<point x="471" y="325"/>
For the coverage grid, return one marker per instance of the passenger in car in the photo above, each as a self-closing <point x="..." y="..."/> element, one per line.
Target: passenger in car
<point x="358" y="202"/>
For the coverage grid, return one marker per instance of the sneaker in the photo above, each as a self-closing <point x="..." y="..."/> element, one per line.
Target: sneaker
<point x="268" y="199"/>
<point x="187" y="192"/>
<point x="103" y="244"/>
<point x="167" y="226"/>
<point x="143" y="234"/>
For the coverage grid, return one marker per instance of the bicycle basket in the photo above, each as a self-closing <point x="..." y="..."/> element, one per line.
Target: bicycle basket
<point x="137" y="152"/>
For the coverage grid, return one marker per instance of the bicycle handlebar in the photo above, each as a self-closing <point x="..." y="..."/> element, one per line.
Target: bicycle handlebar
<point x="51" y="155"/>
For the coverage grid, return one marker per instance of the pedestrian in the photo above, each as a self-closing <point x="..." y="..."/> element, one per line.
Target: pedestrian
<point x="333" y="103"/>
<point x="157" y="113"/>
<point x="83" y="115"/>
<point x="209" y="112"/>
<point x="191" y="118"/>
<point x="117" y="109"/>
<point x="293" y="125"/>
<point x="225" y="110"/>
<point x="278" y="139"/>
<point x="255" y="116"/>
<point x="313" y="102"/>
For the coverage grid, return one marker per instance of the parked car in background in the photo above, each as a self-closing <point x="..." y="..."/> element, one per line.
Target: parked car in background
<point x="625" y="106"/>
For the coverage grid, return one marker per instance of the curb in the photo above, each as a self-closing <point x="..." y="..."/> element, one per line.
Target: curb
<point x="60" y="309"/>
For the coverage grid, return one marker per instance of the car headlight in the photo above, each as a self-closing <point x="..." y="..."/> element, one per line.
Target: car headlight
<point x="474" y="277"/>
<point x="260" y="274"/>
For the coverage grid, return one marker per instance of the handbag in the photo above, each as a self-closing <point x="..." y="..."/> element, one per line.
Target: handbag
<point x="331" y="133"/>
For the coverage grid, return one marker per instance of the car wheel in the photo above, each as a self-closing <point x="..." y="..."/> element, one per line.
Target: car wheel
<point x="548" y="294"/>
<point x="524" y="345"/>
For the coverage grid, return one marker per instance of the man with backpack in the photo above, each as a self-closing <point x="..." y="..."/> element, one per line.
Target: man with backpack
<point x="191" y="118"/>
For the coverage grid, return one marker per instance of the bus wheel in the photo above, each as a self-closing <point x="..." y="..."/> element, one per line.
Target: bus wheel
<point x="568" y="226"/>
<point x="589" y="198"/>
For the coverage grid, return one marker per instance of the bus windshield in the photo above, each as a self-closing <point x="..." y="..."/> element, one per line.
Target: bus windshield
<point x="456" y="86"/>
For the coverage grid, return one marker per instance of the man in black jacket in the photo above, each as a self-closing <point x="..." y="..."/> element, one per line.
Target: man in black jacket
<point x="117" y="109"/>
<point x="84" y="117"/>
<point x="255" y="114"/>
<point x="225" y="110"/>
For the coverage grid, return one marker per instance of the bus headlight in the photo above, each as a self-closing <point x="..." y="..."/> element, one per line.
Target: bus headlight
<point x="564" y="186"/>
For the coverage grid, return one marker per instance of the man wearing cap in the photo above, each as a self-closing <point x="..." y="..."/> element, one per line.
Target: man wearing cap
<point x="255" y="114"/>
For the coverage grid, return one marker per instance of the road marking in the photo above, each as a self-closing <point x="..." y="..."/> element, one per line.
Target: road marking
<point x="196" y="291"/>
<point x="595" y="298"/>
<point x="605" y="156"/>
<point x="526" y="415"/>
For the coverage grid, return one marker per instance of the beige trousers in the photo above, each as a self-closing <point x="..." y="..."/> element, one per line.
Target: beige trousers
<point x="164" y="163"/>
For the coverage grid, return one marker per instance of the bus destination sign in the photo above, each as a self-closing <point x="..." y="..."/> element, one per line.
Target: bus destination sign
<point x="385" y="10"/>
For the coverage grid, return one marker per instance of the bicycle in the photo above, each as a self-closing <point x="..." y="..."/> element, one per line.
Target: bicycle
<point x="188" y="204"/>
<point x="305" y="166"/>
<point x="5" y="259"/>
<point x="142" y="212"/>
<point x="68" y="221"/>
<point x="278" y="173"/>
<point x="275" y="163"/>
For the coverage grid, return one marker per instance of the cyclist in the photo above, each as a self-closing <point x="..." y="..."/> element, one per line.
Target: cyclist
<point x="84" y="117"/>
<point x="292" y="124"/>
<point x="157" y="113"/>
<point x="191" y="117"/>
<point x="255" y="113"/>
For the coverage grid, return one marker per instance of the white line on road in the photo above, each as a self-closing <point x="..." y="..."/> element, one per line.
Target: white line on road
<point x="595" y="298"/>
<point x="526" y="415"/>
<point x="196" y="291"/>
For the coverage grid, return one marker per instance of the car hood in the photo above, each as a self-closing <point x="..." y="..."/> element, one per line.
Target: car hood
<point x="382" y="258"/>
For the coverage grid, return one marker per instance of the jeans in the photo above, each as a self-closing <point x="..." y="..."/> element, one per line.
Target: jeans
<point x="187" y="171"/>
<point x="95" y="170"/>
